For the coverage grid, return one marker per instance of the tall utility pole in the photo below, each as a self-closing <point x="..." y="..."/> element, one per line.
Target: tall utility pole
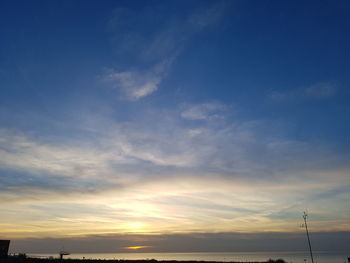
<point x="308" y="237"/>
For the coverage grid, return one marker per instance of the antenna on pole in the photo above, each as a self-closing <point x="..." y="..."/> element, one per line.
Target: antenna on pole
<point x="307" y="234"/>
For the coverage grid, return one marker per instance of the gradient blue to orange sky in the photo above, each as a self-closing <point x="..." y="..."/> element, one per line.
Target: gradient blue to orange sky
<point x="141" y="121"/>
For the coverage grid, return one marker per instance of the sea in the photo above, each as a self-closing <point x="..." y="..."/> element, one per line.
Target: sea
<point x="289" y="257"/>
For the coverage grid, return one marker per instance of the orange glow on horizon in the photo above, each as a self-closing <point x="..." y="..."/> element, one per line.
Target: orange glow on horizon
<point x="137" y="247"/>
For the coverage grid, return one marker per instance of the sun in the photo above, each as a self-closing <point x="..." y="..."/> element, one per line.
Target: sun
<point x="136" y="247"/>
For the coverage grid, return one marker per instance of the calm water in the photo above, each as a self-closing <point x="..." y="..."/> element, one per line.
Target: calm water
<point x="295" y="257"/>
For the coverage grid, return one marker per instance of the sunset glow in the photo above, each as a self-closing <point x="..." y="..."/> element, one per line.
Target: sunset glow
<point x="173" y="124"/>
<point x="137" y="247"/>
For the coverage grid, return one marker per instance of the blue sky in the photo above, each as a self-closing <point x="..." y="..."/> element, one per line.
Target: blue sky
<point x="167" y="117"/>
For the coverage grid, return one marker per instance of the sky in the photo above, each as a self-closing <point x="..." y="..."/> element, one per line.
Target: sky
<point x="174" y="125"/>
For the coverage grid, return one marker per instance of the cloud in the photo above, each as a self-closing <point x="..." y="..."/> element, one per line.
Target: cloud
<point x="154" y="53"/>
<point x="20" y="153"/>
<point x="316" y="91"/>
<point x="175" y="143"/>
<point x="203" y="242"/>
<point x="135" y="85"/>
<point x="209" y="16"/>
<point x="176" y="175"/>
<point x="203" y="111"/>
<point x="320" y="90"/>
<point x="132" y="84"/>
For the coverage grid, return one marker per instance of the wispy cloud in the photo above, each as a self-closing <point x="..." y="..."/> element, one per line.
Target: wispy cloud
<point x="18" y="152"/>
<point x="317" y="91"/>
<point x="134" y="85"/>
<point x="321" y="90"/>
<point x="209" y="16"/>
<point x="204" y="111"/>
<point x="155" y="54"/>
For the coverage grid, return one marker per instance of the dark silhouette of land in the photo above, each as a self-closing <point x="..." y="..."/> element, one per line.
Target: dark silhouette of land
<point x="41" y="260"/>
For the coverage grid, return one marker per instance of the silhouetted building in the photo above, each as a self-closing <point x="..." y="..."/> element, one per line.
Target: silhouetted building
<point x="4" y="248"/>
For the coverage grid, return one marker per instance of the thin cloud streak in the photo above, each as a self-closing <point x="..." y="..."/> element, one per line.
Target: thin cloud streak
<point x="204" y="111"/>
<point x="322" y="90"/>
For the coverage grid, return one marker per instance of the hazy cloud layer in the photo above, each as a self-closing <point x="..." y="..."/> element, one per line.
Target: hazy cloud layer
<point x="178" y="174"/>
<point x="203" y="242"/>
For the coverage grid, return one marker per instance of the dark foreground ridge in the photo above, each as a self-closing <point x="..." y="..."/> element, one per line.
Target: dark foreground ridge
<point x="41" y="260"/>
